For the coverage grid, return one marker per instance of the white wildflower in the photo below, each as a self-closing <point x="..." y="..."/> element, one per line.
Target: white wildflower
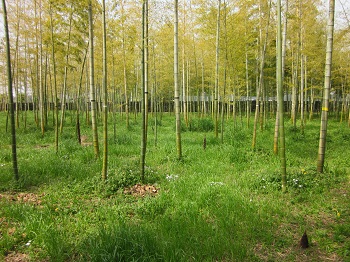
<point x="216" y="183"/>
<point x="172" y="177"/>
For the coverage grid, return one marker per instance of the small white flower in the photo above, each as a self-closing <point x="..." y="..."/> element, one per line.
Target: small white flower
<point x="216" y="183"/>
<point x="28" y="243"/>
<point x="172" y="177"/>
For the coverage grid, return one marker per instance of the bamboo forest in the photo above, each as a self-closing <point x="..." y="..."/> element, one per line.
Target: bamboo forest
<point x="174" y="130"/>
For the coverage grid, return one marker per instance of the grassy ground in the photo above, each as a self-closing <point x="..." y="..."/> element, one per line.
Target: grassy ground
<point x="223" y="203"/>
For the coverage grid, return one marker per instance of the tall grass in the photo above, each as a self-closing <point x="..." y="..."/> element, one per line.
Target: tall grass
<point x="223" y="203"/>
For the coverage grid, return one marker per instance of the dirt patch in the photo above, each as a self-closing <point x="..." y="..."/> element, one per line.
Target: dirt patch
<point x="85" y="141"/>
<point x="29" y="198"/>
<point x="16" y="257"/>
<point x="142" y="190"/>
<point x="261" y="252"/>
<point x="293" y="253"/>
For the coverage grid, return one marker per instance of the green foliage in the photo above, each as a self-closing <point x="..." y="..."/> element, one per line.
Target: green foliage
<point x="121" y="178"/>
<point x="239" y="157"/>
<point x="201" y="124"/>
<point x="300" y="181"/>
<point x="221" y="203"/>
<point x="120" y="243"/>
<point x="198" y="125"/>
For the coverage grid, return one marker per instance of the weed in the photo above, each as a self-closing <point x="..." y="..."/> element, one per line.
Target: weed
<point x="220" y="204"/>
<point x="201" y="125"/>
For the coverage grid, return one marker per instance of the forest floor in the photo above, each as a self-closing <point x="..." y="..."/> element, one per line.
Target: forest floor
<point x="218" y="203"/>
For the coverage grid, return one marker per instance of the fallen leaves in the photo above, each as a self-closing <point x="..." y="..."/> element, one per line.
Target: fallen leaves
<point x="84" y="141"/>
<point x="16" y="257"/>
<point x="141" y="190"/>
<point x="29" y="198"/>
<point x="11" y="231"/>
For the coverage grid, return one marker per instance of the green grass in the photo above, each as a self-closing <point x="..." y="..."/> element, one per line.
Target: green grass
<point x="223" y="203"/>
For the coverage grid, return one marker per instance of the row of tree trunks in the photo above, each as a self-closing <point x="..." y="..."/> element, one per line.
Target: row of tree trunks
<point x="43" y="69"/>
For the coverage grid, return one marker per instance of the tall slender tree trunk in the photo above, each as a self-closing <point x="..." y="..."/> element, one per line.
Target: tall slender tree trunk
<point x="92" y="86"/>
<point x="302" y="72"/>
<point x="176" y="81"/>
<point x="294" y="96"/>
<point x="54" y="81"/>
<point x="65" y="78"/>
<point x="155" y="100"/>
<point x="87" y="101"/>
<point x="79" y="96"/>
<point x="146" y="68"/>
<point x="41" y="88"/>
<point x="10" y="94"/>
<point x="204" y="104"/>
<point x="284" y="51"/>
<point x="306" y="108"/>
<point x="26" y="82"/>
<point x="302" y="88"/>
<point x="184" y="90"/>
<point x="15" y="76"/>
<point x="45" y="87"/>
<point x="247" y="88"/>
<point x="114" y="101"/>
<point x="105" y="95"/>
<point x="261" y="76"/>
<point x="311" y="102"/>
<point x="327" y="84"/>
<point x="216" y="92"/>
<point x="188" y="101"/>
<point x="144" y="86"/>
<point x="125" y="71"/>
<point x="35" y="89"/>
<point x="280" y="99"/>
<point x="225" y="76"/>
<point x="234" y="102"/>
<point x="262" y="106"/>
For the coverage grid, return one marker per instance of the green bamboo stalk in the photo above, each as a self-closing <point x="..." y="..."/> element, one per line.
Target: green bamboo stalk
<point x="327" y="84"/>
<point x="144" y="108"/>
<point x="282" y="150"/>
<point x="54" y="81"/>
<point x="105" y="97"/>
<point x="92" y="86"/>
<point x="261" y="76"/>
<point x="216" y="92"/>
<point x="10" y="95"/>
<point x="176" y="81"/>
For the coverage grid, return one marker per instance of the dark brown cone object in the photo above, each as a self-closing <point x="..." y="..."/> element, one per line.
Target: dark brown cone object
<point x="205" y="142"/>
<point x="304" y="242"/>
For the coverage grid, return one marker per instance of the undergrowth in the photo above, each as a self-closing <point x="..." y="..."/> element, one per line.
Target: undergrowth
<point x="218" y="203"/>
